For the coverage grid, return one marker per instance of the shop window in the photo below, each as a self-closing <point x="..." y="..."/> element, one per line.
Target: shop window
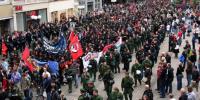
<point x="54" y="16"/>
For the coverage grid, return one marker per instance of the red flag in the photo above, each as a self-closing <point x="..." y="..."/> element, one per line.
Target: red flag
<point x="107" y="47"/>
<point x="29" y="65"/>
<point x="71" y="36"/>
<point x="25" y="56"/>
<point x="4" y="48"/>
<point x="75" y="48"/>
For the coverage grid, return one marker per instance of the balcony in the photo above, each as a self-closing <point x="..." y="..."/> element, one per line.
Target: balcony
<point x="23" y="2"/>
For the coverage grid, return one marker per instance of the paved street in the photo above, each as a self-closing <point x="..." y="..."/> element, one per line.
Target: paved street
<point x="138" y="91"/>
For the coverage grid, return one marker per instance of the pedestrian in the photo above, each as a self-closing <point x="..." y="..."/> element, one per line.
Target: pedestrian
<point x="116" y="94"/>
<point x="169" y="78"/>
<point x="195" y="78"/>
<point x="163" y="81"/>
<point x="179" y="76"/>
<point x="127" y="59"/>
<point x="85" y="77"/>
<point x="54" y="94"/>
<point x="159" y="70"/>
<point x="191" y="95"/>
<point x="148" y="92"/>
<point x="96" y="96"/>
<point x="148" y="74"/>
<point x="127" y="86"/>
<point x="90" y="88"/>
<point x="136" y="71"/>
<point x="189" y="72"/>
<point x="176" y="50"/>
<point x="167" y="57"/>
<point x="103" y="68"/>
<point x="108" y="80"/>
<point x="183" y="94"/>
<point x="171" y="97"/>
<point x="117" y="60"/>
<point x="92" y="69"/>
<point x="193" y="57"/>
<point x="83" y="95"/>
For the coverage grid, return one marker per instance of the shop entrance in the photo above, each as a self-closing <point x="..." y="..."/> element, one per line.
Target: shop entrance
<point x="4" y="26"/>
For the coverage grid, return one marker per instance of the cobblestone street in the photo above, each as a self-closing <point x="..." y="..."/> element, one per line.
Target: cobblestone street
<point x="138" y="91"/>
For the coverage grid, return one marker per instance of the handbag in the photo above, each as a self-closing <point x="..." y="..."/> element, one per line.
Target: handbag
<point x="44" y="94"/>
<point x="138" y="72"/>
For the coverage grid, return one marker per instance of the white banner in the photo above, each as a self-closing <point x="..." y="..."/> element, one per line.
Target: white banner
<point x="113" y="0"/>
<point x="86" y="59"/>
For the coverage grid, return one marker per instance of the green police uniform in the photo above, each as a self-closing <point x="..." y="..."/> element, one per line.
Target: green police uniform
<point x="147" y="63"/>
<point x="108" y="80"/>
<point x="103" y="68"/>
<point x="126" y="85"/>
<point x="136" y="71"/>
<point x="98" y="97"/>
<point x="84" y="79"/>
<point x="81" y="97"/>
<point x="129" y="44"/>
<point x="116" y="96"/>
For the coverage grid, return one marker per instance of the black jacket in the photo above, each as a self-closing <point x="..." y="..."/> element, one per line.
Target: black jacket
<point x="148" y="93"/>
<point x="183" y="97"/>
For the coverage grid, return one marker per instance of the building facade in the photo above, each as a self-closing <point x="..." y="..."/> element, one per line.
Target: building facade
<point x="6" y="18"/>
<point x="28" y="12"/>
<point x="20" y="15"/>
<point x="89" y="5"/>
<point x="58" y="10"/>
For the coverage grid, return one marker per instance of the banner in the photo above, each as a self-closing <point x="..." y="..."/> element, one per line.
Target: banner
<point x="107" y="47"/>
<point x="27" y="61"/>
<point x="118" y="44"/>
<point x="86" y="59"/>
<point x="55" y="48"/>
<point x="75" y="48"/>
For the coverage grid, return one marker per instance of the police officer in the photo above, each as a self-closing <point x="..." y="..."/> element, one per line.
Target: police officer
<point x="127" y="59"/>
<point x="92" y="69"/>
<point x="136" y="71"/>
<point x="116" y="94"/>
<point x="96" y="96"/>
<point x="117" y="60"/>
<point x="103" y="68"/>
<point x="108" y="79"/>
<point x="85" y="79"/>
<point x="69" y="75"/>
<point x="126" y="85"/>
<point x="90" y="88"/>
<point x="83" y="95"/>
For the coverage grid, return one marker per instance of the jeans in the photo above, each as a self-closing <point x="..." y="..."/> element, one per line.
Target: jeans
<point x="179" y="81"/>
<point x="162" y="88"/>
<point x="189" y="79"/>
<point x="168" y="86"/>
<point x="48" y="95"/>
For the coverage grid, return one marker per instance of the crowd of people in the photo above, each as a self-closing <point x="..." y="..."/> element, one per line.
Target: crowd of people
<point x="142" y="26"/>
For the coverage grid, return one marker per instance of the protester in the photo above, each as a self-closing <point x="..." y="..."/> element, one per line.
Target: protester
<point x="148" y="92"/>
<point x="191" y="95"/>
<point x="55" y="51"/>
<point x="183" y="94"/>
